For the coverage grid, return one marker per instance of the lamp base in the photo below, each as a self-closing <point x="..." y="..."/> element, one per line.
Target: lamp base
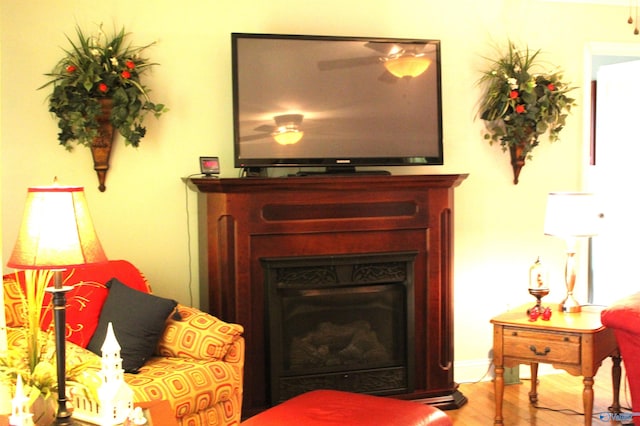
<point x="570" y="305"/>
<point x="64" y="419"/>
<point x="58" y="293"/>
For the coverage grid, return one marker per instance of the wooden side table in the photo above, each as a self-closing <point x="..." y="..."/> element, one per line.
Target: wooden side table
<point x="574" y="342"/>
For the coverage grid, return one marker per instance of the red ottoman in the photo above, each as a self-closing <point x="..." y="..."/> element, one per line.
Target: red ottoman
<point x="335" y="408"/>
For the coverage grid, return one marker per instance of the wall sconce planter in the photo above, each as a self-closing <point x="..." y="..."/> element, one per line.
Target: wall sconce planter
<point x="101" y="144"/>
<point x="522" y="103"/>
<point x="517" y="160"/>
<point x="97" y="90"/>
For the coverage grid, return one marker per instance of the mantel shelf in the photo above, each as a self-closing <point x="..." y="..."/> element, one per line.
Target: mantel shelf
<point x="327" y="182"/>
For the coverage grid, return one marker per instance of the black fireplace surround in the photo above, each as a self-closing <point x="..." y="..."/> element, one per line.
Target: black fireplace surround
<point x="342" y="322"/>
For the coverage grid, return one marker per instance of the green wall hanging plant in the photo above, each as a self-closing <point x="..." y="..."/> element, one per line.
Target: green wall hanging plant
<point x="522" y="102"/>
<point x="97" y="89"/>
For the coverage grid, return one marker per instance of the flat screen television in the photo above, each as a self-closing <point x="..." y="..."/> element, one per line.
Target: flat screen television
<point x="334" y="103"/>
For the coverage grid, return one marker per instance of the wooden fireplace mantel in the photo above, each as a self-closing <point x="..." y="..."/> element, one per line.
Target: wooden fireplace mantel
<point x="246" y="219"/>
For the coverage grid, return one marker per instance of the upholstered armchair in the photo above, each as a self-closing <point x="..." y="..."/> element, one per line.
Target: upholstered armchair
<point x="170" y="352"/>
<point x="624" y="318"/>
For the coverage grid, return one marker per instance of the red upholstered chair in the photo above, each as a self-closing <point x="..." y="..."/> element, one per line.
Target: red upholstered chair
<point x="624" y="318"/>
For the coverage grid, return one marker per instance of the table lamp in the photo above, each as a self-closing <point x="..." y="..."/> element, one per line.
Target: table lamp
<point x="571" y="215"/>
<point x="57" y="234"/>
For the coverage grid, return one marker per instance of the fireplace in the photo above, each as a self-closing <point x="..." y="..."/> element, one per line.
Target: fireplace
<point x="342" y="322"/>
<point x="332" y="222"/>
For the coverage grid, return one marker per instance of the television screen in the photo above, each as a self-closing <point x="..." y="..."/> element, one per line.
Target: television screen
<point x="335" y="102"/>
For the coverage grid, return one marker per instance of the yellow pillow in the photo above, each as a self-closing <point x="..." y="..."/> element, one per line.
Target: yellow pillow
<point x="197" y="335"/>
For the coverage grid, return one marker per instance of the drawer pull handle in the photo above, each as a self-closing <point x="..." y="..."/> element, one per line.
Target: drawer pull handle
<point x="535" y="351"/>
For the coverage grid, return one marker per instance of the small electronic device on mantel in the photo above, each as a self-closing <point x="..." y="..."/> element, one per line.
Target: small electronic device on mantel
<point x="209" y="166"/>
<point x="335" y="103"/>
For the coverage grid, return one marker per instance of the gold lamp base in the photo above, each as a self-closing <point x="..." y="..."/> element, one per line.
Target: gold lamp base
<point x="570" y="305"/>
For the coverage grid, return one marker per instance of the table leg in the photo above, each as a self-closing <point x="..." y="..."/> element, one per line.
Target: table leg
<point x="498" y="385"/>
<point x="533" y="393"/>
<point x="587" y="400"/>
<point x="615" y="377"/>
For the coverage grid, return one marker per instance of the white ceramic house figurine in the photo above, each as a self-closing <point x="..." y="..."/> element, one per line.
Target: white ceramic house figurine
<point x="115" y="397"/>
<point x="20" y="415"/>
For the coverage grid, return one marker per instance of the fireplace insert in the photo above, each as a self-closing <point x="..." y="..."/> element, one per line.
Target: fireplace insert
<point x="343" y="322"/>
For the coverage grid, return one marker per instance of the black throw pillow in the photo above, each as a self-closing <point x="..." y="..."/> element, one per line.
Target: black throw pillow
<point x="138" y="322"/>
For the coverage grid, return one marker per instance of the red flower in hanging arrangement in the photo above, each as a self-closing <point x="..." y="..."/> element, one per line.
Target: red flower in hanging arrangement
<point x="520" y="109"/>
<point x="130" y="64"/>
<point x="126" y="74"/>
<point x="514" y="94"/>
<point x="551" y="87"/>
<point x="103" y="88"/>
<point x="71" y="68"/>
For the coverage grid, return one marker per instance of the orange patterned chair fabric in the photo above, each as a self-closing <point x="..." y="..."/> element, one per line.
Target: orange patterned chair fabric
<point x="199" y="361"/>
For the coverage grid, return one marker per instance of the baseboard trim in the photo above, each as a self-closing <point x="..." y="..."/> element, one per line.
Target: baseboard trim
<point x="481" y="370"/>
<point x="472" y="371"/>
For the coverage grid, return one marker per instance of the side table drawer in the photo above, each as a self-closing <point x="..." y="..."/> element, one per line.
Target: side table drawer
<point x="541" y="346"/>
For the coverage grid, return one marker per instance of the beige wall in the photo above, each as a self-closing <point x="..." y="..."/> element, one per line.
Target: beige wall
<point x="143" y="214"/>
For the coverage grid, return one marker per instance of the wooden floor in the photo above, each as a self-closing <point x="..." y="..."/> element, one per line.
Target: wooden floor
<point x="559" y="401"/>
